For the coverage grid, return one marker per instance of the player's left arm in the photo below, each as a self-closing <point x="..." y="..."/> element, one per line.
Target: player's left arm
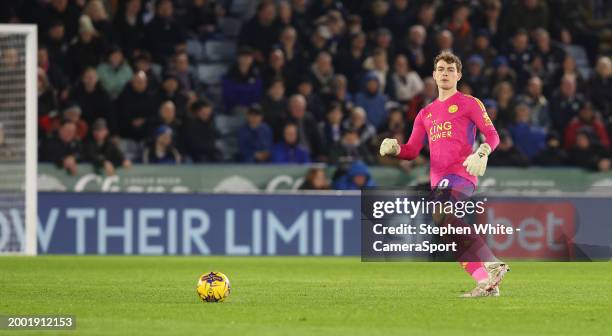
<point x="476" y="163"/>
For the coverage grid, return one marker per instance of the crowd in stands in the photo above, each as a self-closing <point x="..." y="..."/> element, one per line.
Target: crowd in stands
<point x="311" y="80"/>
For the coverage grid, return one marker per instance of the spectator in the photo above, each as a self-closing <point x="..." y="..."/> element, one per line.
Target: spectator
<point x="200" y="134"/>
<point x="99" y="17"/>
<point x="261" y="31"/>
<point x="429" y="94"/>
<point x="372" y="100"/>
<point x="54" y="74"/>
<point x="358" y="122"/>
<point x="6" y="152"/>
<point x="339" y="94"/>
<point x="255" y="138"/>
<point x="314" y="103"/>
<point x="189" y="83"/>
<point x="315" y="180"/>
<point x="86" y="51"/>
<point x="63" y="149"/>
<point x="72" y="113"/>
<point x="460" y="27"/>
<point x="143" y="62"/>
<point x="163" y="34"/>
<point x="475" y="76"/>
<point x="356" y="178"/>
<point x="114" y="73"/>
<point x="242" y="85"/>
<point x="600" y="87"/>
<point x="483" y="48"/>
<point x="519" y="55"/>
<point x="378" y="66"/>
<point x="537" y="102"/>
<point x="289" y="150"/>
<point x="322" y="73"/>
<point x="586" y="120"/>
<point x="565" y="103"/>
<point x="528" y="138"/>
<point x="553" y="155"/>
<point x="399" y="17"/>
<point x="47" y="104"/>
<point x="276" y="68"/>
<point x="308" y="135"/>
<point x="166" y="116"/>
<point x="550" y="53"/>
<point x="94" y="101"/>
<point x="586" y="154"/>
<point x="201" y="17"/>
<point x="170" y="91"/>
<point x="395" y="124"/>
<point x="404" y="83"/>
<point x="349" y="149"/>
<point x="274" y="105"/>
<point x="161" y="150"/>
<point x="568" y="68"/>
<point x="501" y="72"/>
<point x="528" y="15"/>
<point x="129" y="29"/>
<point x="102" y="152"/>
<point x="350" y="62"/>
<point x="135" y="107"/>
<point x="294" y="60"/>
<point x="331" y="128"/>
<point x="57" y="44"/>
<point x="506" y="154"/>
<point x="503" y="94"/>
<point x="61" y="11"/>
<point x="416" y="52"/>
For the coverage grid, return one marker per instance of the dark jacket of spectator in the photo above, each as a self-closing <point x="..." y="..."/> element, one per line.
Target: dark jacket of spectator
<point x="132" y="105"/>
<point x="200" y="140"/>
<point x="95" y="104"/>
<point x="241" y="89"/>
<point x="55" y="150"/>
<point x="253" y="140"/>
<point x="99" y="153"/>
<point x="162" y="36"/>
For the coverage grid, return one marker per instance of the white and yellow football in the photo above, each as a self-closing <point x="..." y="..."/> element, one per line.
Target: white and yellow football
<point x="213" y="287"/>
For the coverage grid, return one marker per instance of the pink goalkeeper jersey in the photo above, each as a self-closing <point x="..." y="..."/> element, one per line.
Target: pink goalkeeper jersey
<point x="450" y="128"/>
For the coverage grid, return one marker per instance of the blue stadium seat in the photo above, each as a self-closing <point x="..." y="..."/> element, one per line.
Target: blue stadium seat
<point x="212" y="74"/>
<point x="216" y="51"/>
<point x="195" y="50"/>
<point x="230" y="27"/>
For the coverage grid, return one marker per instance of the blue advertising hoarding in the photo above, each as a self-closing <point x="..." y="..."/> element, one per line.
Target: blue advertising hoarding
<point x="156" y="224"/>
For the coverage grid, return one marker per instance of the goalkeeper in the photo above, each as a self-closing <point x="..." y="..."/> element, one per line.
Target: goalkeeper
<point x="449" y="125"/>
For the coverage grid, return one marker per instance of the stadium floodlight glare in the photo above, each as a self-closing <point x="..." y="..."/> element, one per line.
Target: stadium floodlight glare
<point x="18" y="139"/>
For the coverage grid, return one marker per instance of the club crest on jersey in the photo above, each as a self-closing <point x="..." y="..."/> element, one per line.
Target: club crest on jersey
<point x="453" y="108"/>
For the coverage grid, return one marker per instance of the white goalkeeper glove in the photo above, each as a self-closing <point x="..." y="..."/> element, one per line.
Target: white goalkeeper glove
<point x="389" y="147"/>
<point x="476" y="163"/>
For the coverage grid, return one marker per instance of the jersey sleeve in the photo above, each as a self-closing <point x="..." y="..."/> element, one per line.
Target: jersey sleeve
<point x="478" y="115"/>
<point x="411" y="149"/>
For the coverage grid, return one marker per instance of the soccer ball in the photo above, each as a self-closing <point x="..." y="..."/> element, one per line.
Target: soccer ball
<point x="213" y="287"/>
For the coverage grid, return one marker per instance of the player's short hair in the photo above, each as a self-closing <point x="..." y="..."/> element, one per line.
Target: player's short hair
<point x="449" y="58"/>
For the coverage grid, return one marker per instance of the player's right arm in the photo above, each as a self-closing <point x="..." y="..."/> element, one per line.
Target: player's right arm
<point x="410" y="150"/>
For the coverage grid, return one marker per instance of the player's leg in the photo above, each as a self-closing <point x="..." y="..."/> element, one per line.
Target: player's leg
<point x="475" y="257"/>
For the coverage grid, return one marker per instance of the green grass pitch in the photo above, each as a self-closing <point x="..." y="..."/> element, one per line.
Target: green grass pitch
<point x="304" y="296"/>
